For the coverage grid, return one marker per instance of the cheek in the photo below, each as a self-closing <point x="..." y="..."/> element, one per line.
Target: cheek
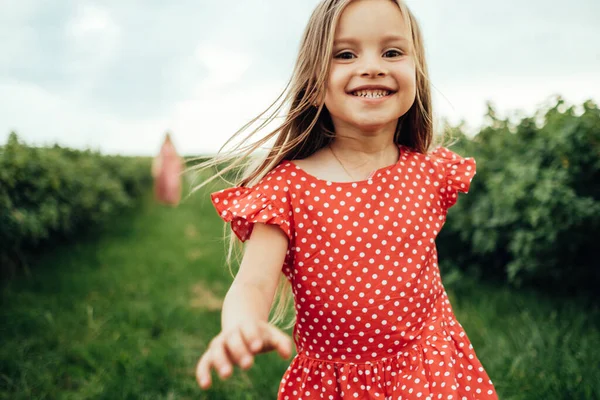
<point x="407" y="81"/>
<point x="336" y="85"/>
<point x="336" y="81"/>
<point x="408" y="75"/>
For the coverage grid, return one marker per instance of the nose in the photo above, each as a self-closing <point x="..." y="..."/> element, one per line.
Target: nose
<point x="372" y="66"/>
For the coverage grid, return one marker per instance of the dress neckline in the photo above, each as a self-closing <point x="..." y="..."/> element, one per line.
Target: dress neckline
<point x="378" y="173"/>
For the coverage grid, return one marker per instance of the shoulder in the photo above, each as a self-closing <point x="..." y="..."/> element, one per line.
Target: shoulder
<point x="444" y="154"/>
<point x="276" y="183"/>
<point x="440" y="158"/>
<point x="455" y="172"/>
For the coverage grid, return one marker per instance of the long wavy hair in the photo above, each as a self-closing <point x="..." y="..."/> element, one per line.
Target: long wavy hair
<point x="307" y="125"/>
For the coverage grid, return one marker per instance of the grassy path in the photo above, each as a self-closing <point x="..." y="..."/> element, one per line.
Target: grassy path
<point x="123" y="315"/>
<point x="126" y="314"/>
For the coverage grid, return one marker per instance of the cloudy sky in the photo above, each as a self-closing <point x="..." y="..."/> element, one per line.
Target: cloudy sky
<point x="115" y="75"/>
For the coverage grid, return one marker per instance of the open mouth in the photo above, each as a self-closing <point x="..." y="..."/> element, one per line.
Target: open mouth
<point x="372" y="94"/>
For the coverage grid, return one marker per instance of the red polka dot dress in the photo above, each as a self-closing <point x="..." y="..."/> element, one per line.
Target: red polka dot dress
<point x="373" y="320"/>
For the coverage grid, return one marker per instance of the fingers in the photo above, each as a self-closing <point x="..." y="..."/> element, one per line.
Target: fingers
<point x="238" y="350"/>
<point x="252" y="337"/>
<point x="220" y="359"/>
<point x="214" y="357"/>
<point x="203" y="371"/>
<point x="238" y="347"/>
<point x="222" y="353"/>
<point x="280" y="342"/>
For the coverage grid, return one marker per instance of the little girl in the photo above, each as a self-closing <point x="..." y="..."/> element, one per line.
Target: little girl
<point x="346" y="207"/>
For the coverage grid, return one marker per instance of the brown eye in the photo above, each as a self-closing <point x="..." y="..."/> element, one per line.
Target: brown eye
<point x="346" y="55"/>
<point x="394" y="53"/>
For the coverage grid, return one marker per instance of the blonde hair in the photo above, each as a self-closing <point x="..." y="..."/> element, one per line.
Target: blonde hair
<point x="308" y="128"/>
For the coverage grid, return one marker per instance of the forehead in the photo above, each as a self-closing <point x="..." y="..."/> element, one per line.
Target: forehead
<point x="362" y="20"/>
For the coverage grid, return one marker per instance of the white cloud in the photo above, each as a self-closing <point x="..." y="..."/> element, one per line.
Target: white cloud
<point x="93" y="38"/>
<point x="91" y="19"/>
<point x="17" y="37"/>
<point x="206" y="121"/>
<point x="199" y="125"/>
<point x="224" y="65"/>
<point x="43" y="118"/>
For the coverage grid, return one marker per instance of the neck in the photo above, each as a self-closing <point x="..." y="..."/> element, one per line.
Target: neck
<point x="362" y="143"/>
<point x="359" y="169"/>
<point x="362" y="151"/>
<point x="371" y="153"/>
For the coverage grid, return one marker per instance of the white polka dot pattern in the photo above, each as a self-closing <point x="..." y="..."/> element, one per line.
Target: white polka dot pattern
<point x="373" y="320"/>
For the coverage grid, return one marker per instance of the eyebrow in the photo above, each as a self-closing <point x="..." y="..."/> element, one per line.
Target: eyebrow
<point x="387" y="38"/>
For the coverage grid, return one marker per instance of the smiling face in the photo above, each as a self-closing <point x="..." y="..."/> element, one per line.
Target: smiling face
<point x="372" y="79"/>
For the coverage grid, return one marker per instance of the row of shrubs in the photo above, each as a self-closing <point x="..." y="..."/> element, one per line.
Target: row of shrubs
<point x="532" y="215"/>
<point x="50" y="194"/>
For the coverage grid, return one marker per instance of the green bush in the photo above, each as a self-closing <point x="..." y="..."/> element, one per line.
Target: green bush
<point x="533" y="211"/>
<point x="54" y="193"/>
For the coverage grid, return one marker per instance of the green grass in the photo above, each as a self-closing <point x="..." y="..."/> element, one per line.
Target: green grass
<point x="120" y="316"/>
<point x="533" y="346"/>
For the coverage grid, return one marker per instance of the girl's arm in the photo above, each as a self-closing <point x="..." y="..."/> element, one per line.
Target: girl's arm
<point x="251" y="294"/>
<point x="245" y="329"/>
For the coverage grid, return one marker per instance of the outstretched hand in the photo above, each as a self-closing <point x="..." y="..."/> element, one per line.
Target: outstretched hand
<point x="238" y="346"/>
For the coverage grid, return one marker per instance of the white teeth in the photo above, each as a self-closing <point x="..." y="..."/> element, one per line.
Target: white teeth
<point x="371" y="93"/>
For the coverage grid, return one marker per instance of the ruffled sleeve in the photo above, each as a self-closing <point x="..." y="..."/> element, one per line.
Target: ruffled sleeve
<point x="455" y="175"/>
<point x="242" y="206"/>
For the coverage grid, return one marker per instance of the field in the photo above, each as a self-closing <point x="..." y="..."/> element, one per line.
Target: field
<point x="126" y="313"/>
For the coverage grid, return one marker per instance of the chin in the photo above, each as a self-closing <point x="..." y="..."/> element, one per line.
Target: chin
<point x="374" y="125"/>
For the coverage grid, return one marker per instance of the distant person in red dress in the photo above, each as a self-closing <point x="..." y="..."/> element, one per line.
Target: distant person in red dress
<point x="166" y="171"/>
